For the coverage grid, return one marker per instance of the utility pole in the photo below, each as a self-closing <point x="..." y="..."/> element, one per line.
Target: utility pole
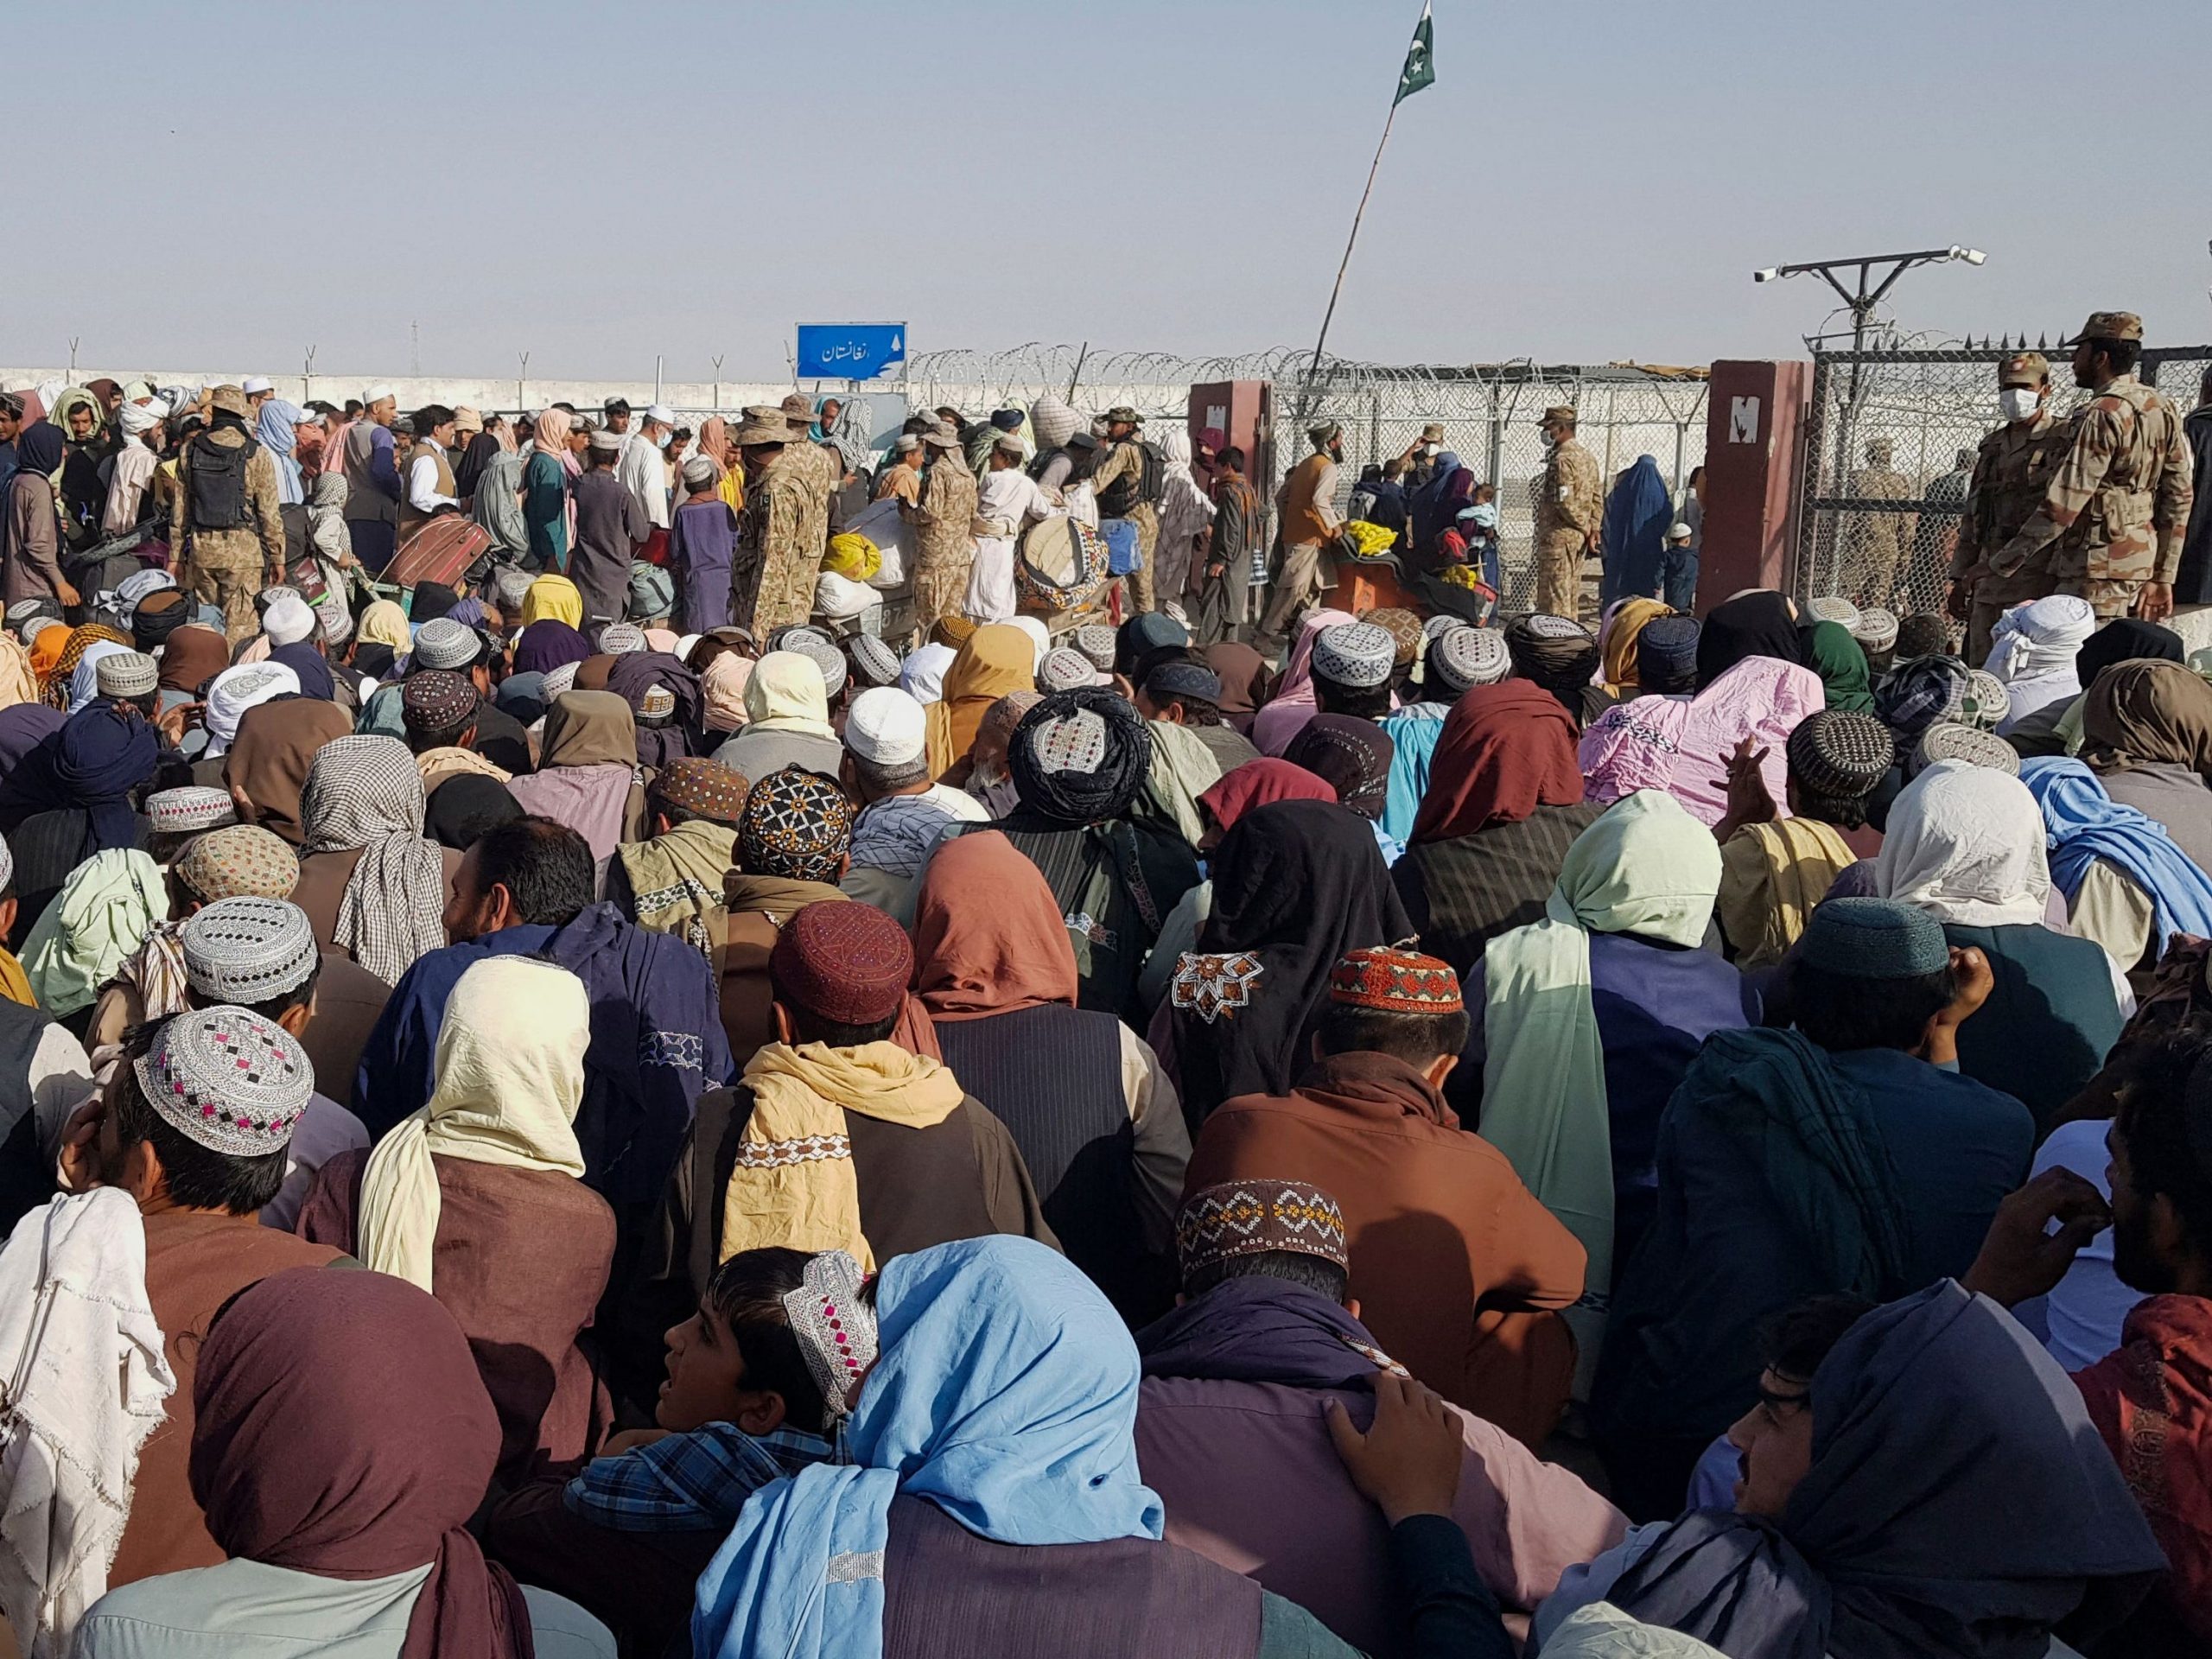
<point x="307" y="377"/>
<point x="718" y="381"/>
<point x="522" y="374"/>
<point x="73" y="338"/>
<point x="415" y="348"/>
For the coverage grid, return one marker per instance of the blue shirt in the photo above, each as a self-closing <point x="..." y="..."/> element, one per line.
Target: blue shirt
<point x="695" y="1482"/>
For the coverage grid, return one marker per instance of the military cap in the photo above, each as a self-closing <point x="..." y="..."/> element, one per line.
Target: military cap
<point x="2110" y="325"/>
<point x="1560" y="412"/>
<point x="2024" y="369"/>
<point x="1122" y="412"/>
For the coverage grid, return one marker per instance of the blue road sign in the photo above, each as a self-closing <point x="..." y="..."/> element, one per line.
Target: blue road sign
<point x="850" y="351"/>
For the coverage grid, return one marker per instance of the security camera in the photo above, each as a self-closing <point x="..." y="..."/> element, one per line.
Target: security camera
<point x="1766" y="276"/>
<point x="1972" y="256"/>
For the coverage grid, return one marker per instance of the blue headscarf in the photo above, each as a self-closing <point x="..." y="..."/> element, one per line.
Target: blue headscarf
<point x="274" y="429"/>
<point x="1005" y="1393"/>
<point x="1425" y="505"/>
<point x="2082" y="824"/>
<point x="99" y="757"/>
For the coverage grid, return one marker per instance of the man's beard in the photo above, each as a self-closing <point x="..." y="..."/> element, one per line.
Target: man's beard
<point x="2135" y="1261"/>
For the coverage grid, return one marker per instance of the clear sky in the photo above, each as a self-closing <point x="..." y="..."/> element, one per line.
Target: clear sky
<point x="219" y="183"/>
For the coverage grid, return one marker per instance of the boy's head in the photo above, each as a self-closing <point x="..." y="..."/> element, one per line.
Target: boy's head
<point x="737" y="1360"/>
<point x="1871" y="974"/>
<point x="1254" y="1229"/>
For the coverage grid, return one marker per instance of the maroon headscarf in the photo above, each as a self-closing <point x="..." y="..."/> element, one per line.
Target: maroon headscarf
<point x="1260" y="783"/>
<point x="342" y="1430"/>
<point x="1505" y="750"/>
<point x="1352" y="755"/>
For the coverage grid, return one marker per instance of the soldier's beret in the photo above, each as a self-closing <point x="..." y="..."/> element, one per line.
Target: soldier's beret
<point x="2110" y="325"/>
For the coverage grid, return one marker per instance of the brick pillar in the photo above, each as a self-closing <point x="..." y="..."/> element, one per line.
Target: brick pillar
<point x="1754" y="460"/>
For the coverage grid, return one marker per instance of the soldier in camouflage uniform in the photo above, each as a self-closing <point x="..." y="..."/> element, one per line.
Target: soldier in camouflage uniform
<point x="1878" y="538"/>
<point x="944" y="535"/>
<point x="2112" y="518"/>
<point x="821" y="460"/>
<point x="1570" y="506"/>
<point x="2012" y="473"/>
<point x="778" y="558"/>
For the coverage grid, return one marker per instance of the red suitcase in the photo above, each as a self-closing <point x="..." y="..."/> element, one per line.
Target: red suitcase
<point x="442" y="551"/>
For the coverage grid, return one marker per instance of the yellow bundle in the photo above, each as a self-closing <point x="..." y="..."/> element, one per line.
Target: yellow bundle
<point x="1370" y="539"/>
<point x="1461" y="576"/>
<point x="854" y="558"/>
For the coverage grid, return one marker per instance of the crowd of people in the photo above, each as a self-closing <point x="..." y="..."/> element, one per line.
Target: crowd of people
<point x="657" y="1096"/>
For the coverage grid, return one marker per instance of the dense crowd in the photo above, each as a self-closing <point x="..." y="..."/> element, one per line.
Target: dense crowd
<point x="652" y="1091"/>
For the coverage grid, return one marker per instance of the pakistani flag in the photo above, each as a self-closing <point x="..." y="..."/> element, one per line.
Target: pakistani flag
<point x="1421" y="60"/>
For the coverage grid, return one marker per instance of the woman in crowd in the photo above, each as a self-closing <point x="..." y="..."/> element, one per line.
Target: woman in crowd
<point x="1292" y="706"/>
<point x="586" y="775"/>
<point x="992" y="662"/>
<point x="2146" y="732"/>
<point x="1504" y="804"/>
<point x="786" y="719"/>
<point x="370" y="882"/>
<point x="476" y="1199"/>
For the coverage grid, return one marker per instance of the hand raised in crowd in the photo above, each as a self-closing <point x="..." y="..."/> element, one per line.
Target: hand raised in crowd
<point x="173" y="723"/>
<point x="1748" y="799"/>
<point x="2022" y="1257"/>
<point x="1408" y="1463"/>
<point x="1973" y="980"/>
<point x="78" y="1164"/>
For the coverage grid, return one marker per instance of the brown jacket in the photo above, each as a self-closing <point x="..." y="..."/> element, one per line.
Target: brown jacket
<point x="1454" y="1264"/>
<point x="32" y="538"/>
<point x="195" y="1261"/>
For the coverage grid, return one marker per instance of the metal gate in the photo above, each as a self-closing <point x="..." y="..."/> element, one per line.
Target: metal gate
<point x="1882" y="531"/>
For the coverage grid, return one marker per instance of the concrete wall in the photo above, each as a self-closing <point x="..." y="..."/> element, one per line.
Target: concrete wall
<point x="484" y="393"/>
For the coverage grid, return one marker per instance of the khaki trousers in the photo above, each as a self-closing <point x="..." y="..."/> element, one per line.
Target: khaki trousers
<point x="1298" y="584"/>
<point x="1559" y="572"/>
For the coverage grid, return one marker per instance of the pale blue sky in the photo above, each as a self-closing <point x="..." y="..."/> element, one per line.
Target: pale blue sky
<point x="222" y="182"/>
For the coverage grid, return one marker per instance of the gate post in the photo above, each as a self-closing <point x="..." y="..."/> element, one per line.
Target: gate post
<point x="1754" y="454"/>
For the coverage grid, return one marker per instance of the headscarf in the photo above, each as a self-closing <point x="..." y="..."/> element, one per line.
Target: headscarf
<point x="96" y="924"/>
<point x="1931" y="1416"/>
<point x="510" y="1077"/>
<point x="922" y="675"/>
<point x="274" y="427"/>
<point x="1750" y="625"/>
<point x="548" y="643"/>
<point x="988" y="938"/>
<point x="383" y="624"/>
<point x="310" y="665"/>
<point x="2082" y="824"/>
<point x="1840" y="661"/>
<point x="1295" y="886"/>
<point x="59" y="678"/>
<point x="1351" y="755"/>
<point x="341" y="1428"/>
<point x="784" y="693"/>
<point x="586" y="775"/>
<point x="1965" y="843"/>
<point x="721" y="691"/>
<point x="1291" y="705"/>
<point x="1921" y="693"/>
<point x="101" y="754"/>
<point x="22" y="728"/>
<point x="39" y="448"/>
<point x="551" y="432"/>
<point x="2125" y="640"/>
<point x="2141" y="713"/>
<point x="277" y="742"/>
<point x="1645" y="868"/>
<point x="46" y="646"/>
<point x="995" y="660"/>
<point x="237" y="690"/>
<point x="2034" y="649"/>
<point x="464" y="808"/>
<point x="556" y="597"/>
<point x="1079" y="757"/>
<point x="18" y="680"/>
<point x="1182" y="768"/>
<point x="1260" y="783"/>
<point x="366" y="794"/>
<point x="1624" y="624"/>
<point x="1004" y="1391"/>
<point x="1243" y="674"/>
<point x="1505" y="750"/>
<point x="1425" y="505"/>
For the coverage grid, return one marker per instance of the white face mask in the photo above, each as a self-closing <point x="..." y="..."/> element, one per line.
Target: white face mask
<point x="2019" y="402"/>
<point x="661" y="440"/>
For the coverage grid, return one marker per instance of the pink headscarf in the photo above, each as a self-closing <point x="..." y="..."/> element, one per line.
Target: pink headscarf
<point x="1292" y="706"/>
<point x="1682" y="745"/>
<point x="721" y="687"/>
<point x="552" y="428"/>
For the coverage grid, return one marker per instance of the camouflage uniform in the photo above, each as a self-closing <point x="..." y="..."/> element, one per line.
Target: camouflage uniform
<point x="227" y="568"/>
<point x="2012" y="471"/>
<point x="777" y="561"/>
<point x="2118" y="505"/>
<point x="1878" y="539"/>
<point x="1570" y="506"/>
<point x="1123" y="457"/>
<point x="944" y="538"/>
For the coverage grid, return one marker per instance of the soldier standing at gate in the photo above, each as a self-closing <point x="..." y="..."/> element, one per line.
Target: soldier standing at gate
<point x="2012" y="474"/>
<point x="1570" y="506"/>
<point x="2117" y="507"/>
<point x="1879" y="537"/>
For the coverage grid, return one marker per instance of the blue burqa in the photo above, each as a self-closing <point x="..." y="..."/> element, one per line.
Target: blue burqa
<point x="1638" y="514"/>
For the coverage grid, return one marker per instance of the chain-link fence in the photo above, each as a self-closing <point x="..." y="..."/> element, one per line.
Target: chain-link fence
<point x="1490" y="414"/>
<point x="1890" y="445"/>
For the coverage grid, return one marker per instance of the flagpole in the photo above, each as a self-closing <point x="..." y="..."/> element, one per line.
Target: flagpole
<point x="1344" y="265"/>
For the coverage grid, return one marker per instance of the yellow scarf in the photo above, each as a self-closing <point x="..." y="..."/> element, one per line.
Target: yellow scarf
<point x="14" y="983"/>
<point x="1771" y="875"/>
<point x="793" y="1183"/>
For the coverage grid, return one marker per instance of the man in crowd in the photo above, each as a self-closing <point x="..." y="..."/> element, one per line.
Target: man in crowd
<point x="944" y="519"/>
<point x="643" y="471"/>
<point x="1881" y="536"/>
<point x="2012" y="474"/>
<point x="2117" y="507"/>
<point x="776" y="563"/>
<point x="1129" y="482"/>
<point x="431" y="488"/>
<point x="1570" y="506"/>
<point x="1233" y="559"/>
<point x="610" y="528"/>
<point x="372" y="486"/>
<point x="1305" y="511"/>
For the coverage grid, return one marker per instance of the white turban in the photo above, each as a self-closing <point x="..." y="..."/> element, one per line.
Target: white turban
<point x="237" y="690"/>
<point x="135" y="418"/>
<point x="289" y="621"/>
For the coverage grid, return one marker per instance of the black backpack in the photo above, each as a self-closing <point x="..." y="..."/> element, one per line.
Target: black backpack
<point x="1149" y="484"/>
<point x="218" y="492"/>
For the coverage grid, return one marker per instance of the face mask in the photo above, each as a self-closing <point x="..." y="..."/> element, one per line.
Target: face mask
<point x="1430" y="451"/>
<point x="2019" y="402"/>
<point x="662" y="442"/>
